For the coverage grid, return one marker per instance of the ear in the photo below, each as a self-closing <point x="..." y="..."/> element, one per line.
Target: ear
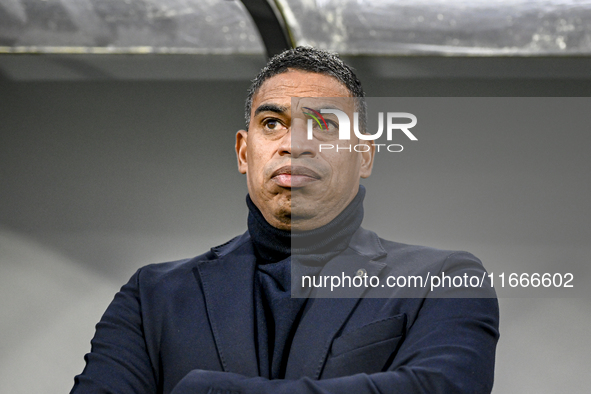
<point x="367" y="161"/>
<point x="241" y="144"/>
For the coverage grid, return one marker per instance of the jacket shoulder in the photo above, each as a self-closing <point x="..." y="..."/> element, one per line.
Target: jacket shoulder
<point x="168" y="271"/>
<point x="400" y="259"/>
<point x="422" y="254"/>
<point x="368" y="243"/>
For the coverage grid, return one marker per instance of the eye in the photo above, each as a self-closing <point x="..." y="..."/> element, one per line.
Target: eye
<point x="273" y="124"/>
<point x="332" y="124"/>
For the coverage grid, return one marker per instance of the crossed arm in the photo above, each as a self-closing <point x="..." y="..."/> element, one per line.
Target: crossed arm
<point x="449" y="349"/>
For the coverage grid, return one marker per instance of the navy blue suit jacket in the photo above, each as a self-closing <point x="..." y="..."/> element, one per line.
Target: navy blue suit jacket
<point x="188" y="327"/>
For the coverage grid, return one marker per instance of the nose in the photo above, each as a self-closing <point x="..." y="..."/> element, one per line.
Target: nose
<point x="295" y="142"/>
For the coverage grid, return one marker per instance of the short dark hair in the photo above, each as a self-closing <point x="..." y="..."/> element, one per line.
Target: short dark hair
<point x="312" y="60"/>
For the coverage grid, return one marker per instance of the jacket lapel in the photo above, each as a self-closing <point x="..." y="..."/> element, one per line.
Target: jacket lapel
<point x="228" y="289"/>
<point x="324" y="317"/>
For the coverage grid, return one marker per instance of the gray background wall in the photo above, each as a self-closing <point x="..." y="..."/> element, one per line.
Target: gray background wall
<point x="110" y="165"/>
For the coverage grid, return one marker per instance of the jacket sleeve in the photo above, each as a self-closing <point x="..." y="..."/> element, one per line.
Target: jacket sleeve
<point x="449" y="349"/>
<point x="118" y="361"/>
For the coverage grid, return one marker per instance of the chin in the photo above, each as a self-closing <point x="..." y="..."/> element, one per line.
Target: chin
<point x="281" y="217"/>
<point x="303" y="222"/>
<point x="305" y="211"/>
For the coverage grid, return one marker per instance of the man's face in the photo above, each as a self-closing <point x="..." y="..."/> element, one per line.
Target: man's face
<point x="294" y="184"/>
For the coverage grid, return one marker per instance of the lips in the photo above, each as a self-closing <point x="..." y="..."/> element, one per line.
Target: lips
<point x="294" y="176"/>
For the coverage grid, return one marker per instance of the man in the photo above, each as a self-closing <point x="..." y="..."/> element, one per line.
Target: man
<point x="226" y="321"/>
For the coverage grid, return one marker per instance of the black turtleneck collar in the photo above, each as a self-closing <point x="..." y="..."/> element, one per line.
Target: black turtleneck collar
<point x="316" y="246"/>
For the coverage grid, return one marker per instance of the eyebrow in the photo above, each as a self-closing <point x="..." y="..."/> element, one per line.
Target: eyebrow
<point x="280" y="109"/>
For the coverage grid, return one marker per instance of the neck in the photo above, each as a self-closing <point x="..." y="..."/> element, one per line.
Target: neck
<point x="317" y="245"/>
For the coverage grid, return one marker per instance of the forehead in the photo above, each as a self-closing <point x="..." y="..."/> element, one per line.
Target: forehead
<point x="282" y="87"/>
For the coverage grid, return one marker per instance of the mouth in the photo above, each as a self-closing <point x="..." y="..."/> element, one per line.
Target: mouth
<point x="294" y="176"/>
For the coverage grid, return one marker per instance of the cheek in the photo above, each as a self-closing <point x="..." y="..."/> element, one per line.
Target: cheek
<point x="342" y="163"/>
<point x="252" y="158"/>
<point x="258" y="165"/>
<point x="256" y="168"/>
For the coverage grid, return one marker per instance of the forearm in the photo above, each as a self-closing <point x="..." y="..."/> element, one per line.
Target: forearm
<point x="403" y="381"/>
